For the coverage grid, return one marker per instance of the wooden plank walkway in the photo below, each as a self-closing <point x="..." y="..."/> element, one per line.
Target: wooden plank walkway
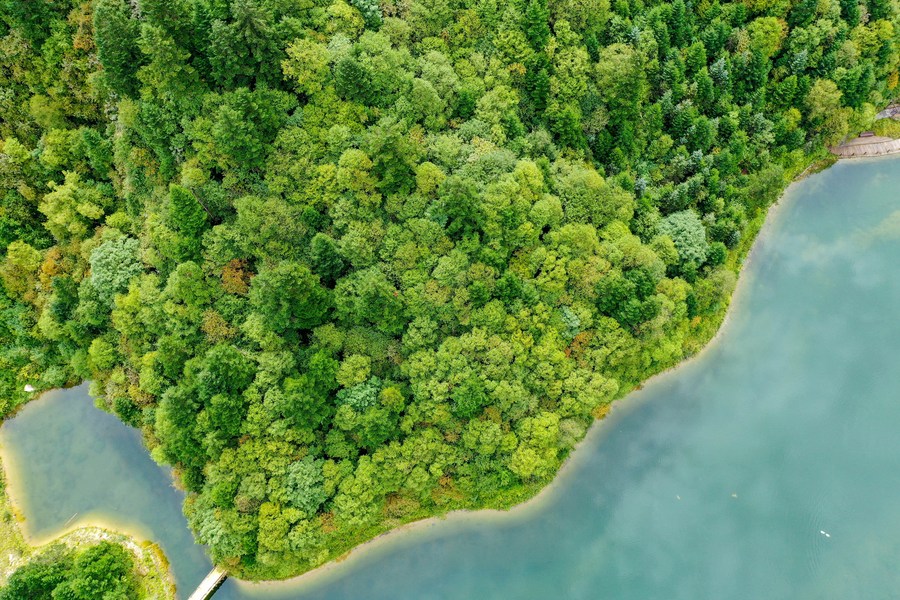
<point x="209" y="585"/>
<point x="863" y="147"/>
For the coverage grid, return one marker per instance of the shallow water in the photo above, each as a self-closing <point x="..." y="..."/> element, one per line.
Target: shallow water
<point x="71" y="464"/>
<point x="769" y="467"/>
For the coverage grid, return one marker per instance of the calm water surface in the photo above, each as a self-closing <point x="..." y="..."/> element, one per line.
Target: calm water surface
<point x="71" y="464"/>
<point x="767" y="468"/>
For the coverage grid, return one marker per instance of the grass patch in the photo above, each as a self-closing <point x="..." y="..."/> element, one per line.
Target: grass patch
<point x="887" y="127"/>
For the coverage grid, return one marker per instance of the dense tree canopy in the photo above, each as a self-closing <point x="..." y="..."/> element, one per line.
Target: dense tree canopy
<point x="351" y="264"/>
<point x="105" y="571"/>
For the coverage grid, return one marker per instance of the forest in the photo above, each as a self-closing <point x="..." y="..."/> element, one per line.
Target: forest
<point x="352" y="263"/>
<point x="105" y="571"/>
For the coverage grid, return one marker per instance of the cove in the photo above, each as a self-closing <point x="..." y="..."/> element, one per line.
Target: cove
<point x="767" y="467"/>
<point x="69" y="464"/>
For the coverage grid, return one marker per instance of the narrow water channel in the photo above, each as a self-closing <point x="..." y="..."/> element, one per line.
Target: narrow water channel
<point x="769" y="467"/>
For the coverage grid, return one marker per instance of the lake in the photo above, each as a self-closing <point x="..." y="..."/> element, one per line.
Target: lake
<point x="768" y="467"/>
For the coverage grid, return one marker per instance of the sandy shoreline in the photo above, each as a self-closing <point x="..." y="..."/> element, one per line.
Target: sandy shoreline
<point x="88" y="530"/>
<point x="76" y="522"/>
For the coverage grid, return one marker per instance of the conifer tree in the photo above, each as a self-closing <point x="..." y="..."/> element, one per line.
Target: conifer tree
<point x="116" y="35"/>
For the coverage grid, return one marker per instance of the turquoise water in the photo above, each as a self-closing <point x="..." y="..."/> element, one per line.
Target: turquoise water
<point x="769" y="467"/>
<point x="71" y="464"/>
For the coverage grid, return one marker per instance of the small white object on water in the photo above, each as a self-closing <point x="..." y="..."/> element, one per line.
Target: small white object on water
<point x="29" y="388"/>
<point x="734" y="495"/>
<point x="677" y="497"/>
<point x="825" y="533"/>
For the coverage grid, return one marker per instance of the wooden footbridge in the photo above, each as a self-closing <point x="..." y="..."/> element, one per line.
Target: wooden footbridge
<point x="209" y="585"/>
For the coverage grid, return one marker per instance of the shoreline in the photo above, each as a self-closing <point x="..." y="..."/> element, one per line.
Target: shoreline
<point x="151" y="564"/>
<point x="81" y="530"/>
<point x="77" y="521"/>
<point x="618" y="409"/>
